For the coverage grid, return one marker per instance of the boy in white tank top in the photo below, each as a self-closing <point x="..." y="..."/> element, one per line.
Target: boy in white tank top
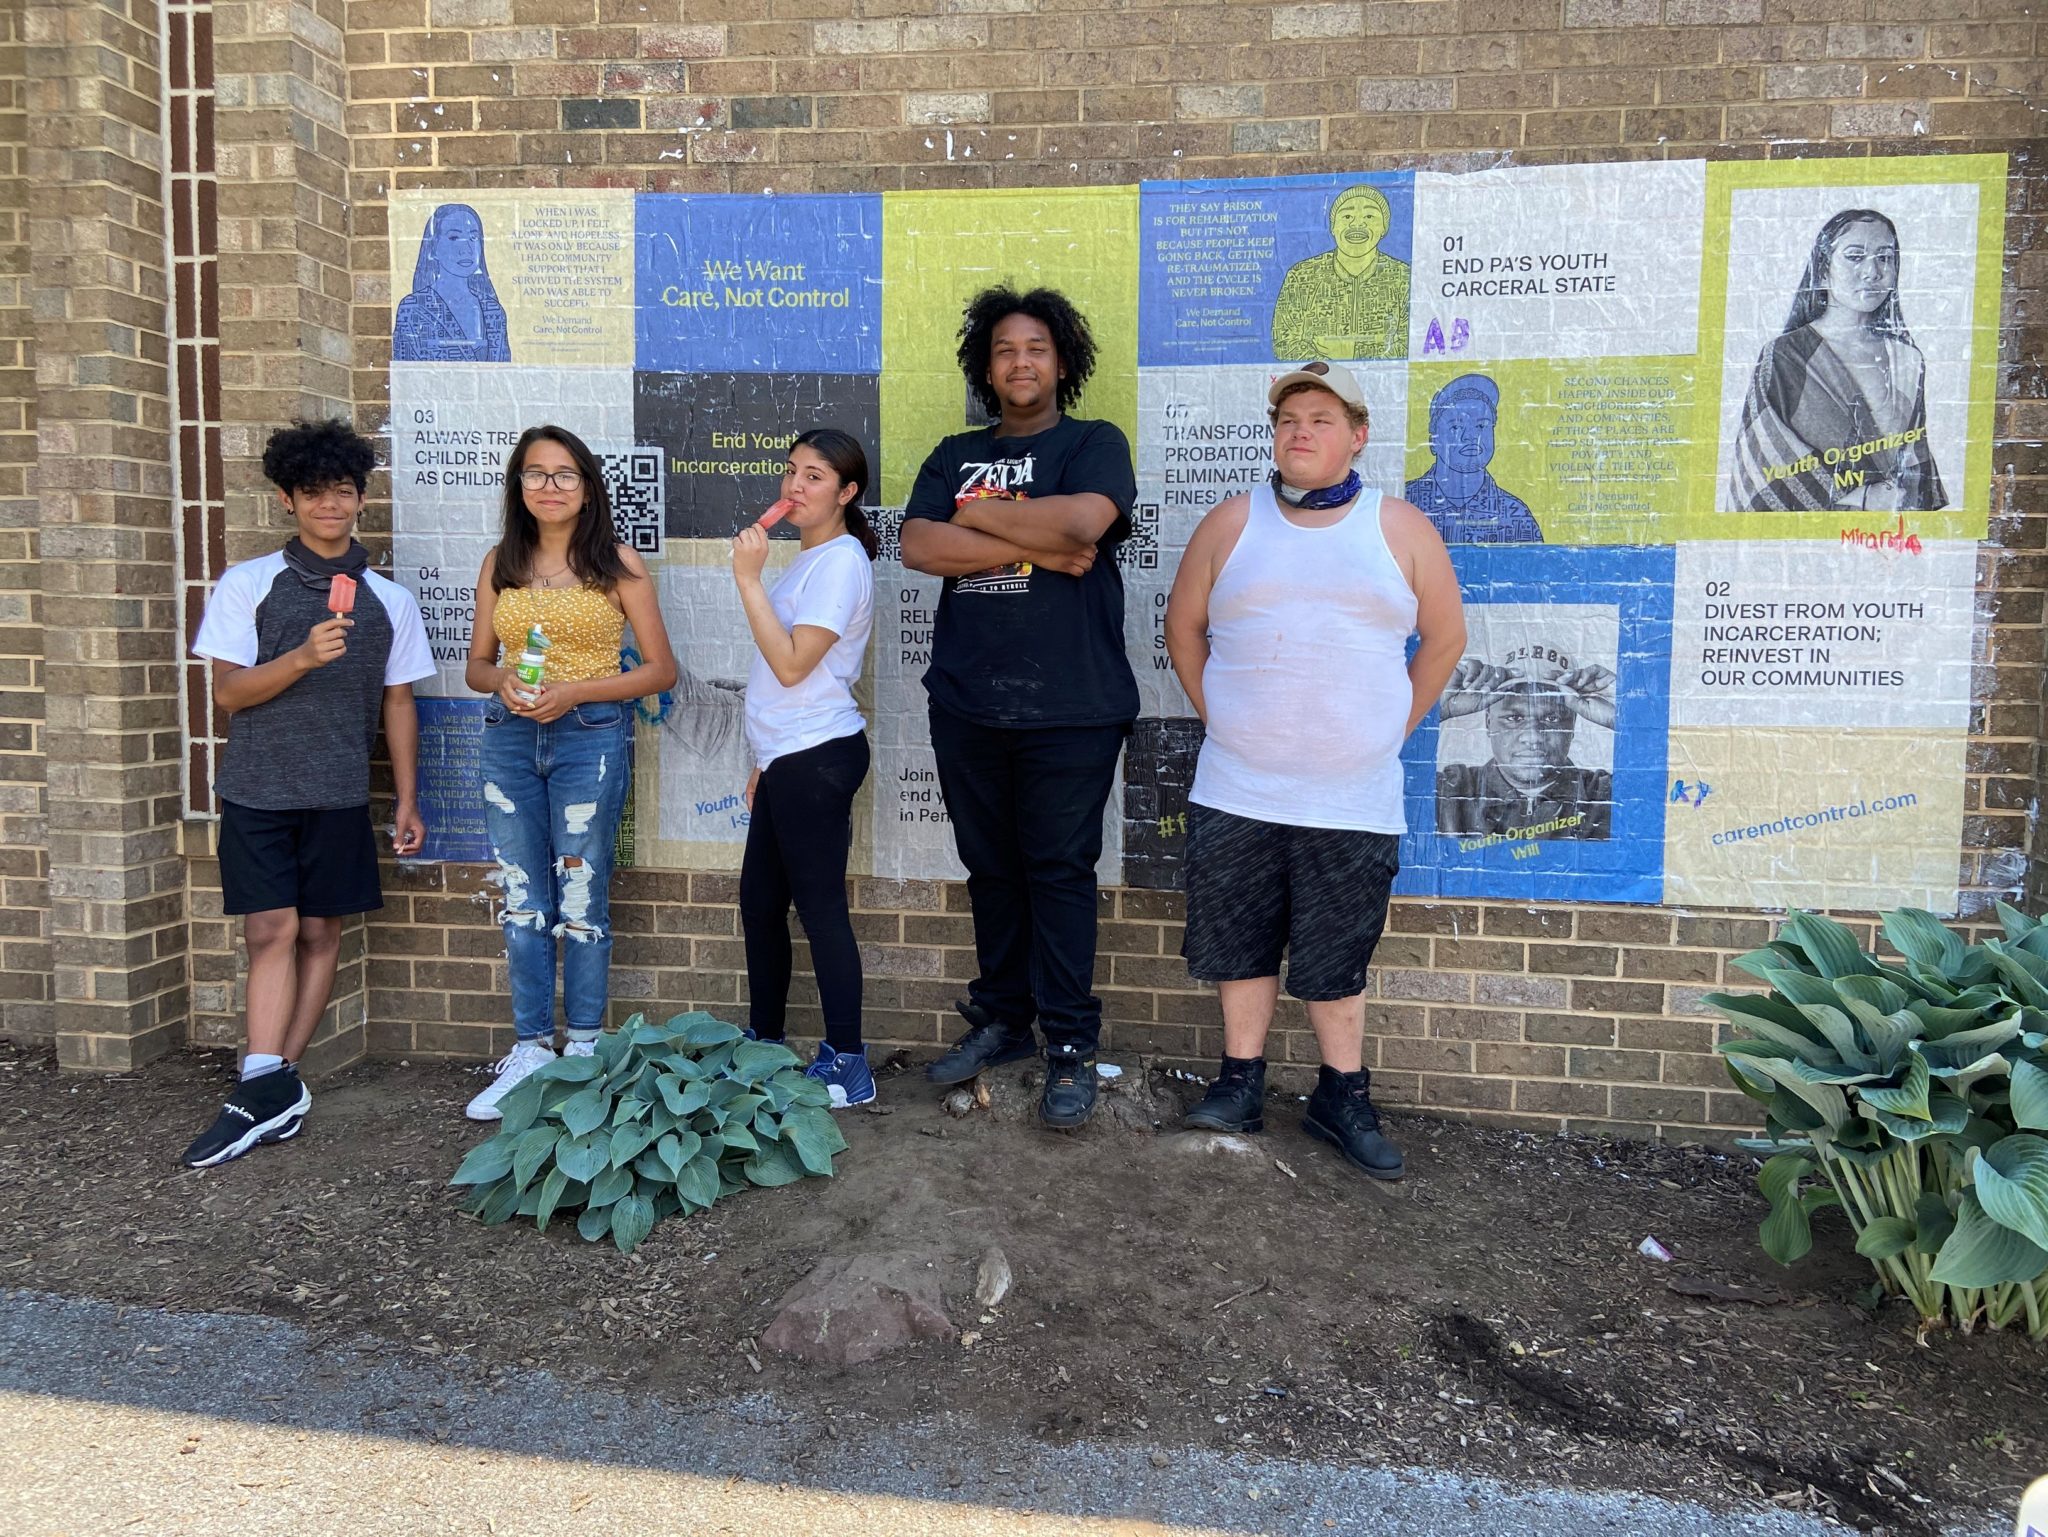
<point x="1287" y="626"/>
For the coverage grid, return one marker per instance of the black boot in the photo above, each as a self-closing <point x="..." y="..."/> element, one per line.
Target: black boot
<point x="1069" y="1097"/>
<point x="1236" y="1101"/>
<point x="1340" y="1112"/>
<point x="988" y="1043"/>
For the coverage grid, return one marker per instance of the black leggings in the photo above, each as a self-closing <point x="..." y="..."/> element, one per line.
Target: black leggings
<point x="797" y="841"/>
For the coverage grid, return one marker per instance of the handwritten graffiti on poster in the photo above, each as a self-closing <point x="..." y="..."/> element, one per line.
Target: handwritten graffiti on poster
<point x="1558" y="262"/>
<point x="1285" y="268"/>
<point x="759" y="284"/>
<point x="1541" y="773"/>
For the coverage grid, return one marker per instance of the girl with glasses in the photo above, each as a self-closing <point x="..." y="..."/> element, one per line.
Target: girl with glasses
<point x="810" y="748"/>
<point x="557" y="757"/>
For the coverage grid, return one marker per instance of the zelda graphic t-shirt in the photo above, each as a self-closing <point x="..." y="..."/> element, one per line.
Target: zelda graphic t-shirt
<point x="1020" y="645"/>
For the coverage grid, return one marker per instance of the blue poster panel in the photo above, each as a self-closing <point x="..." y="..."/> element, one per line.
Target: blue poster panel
<point x="1541" y="774"/>
<point x="759" y="284"/>
<point x="1284" y="268"/>
<point x="451" y="779"/>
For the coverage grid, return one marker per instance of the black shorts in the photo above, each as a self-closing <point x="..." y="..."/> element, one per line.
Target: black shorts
<point x="1258" y="888"/>
<point x="324" y="863"/>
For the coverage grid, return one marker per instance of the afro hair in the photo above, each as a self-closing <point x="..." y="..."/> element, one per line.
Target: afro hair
<point x="311" y="456"/>
<point x="1071" y="340"/>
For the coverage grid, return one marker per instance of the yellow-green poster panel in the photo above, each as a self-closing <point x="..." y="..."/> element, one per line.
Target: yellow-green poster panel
<point x="1848" y="348"/>
<point x="941" y="248"/>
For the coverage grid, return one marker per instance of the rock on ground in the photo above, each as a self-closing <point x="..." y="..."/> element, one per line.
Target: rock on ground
<point x="854" y="1308"/>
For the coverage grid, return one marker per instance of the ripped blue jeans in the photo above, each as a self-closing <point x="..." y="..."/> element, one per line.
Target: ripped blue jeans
<point x="552" y="798"/>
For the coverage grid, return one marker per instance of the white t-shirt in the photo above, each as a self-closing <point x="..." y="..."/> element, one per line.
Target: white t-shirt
<point x="832" y="586"/>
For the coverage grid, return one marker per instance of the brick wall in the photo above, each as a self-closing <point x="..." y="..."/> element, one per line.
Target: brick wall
<point x="26" y="1009"/>
<point x="1541" y="1015"/>
<point x="1547" y="1015"/>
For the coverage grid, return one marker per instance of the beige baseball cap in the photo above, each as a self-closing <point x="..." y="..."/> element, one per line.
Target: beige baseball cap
<point x="1328" y="376"/>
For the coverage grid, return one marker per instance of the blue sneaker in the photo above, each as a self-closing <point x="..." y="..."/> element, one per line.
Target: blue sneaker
<point x="845" y="1074"/>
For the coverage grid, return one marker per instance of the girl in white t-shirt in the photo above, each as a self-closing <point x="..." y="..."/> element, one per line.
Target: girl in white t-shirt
<point x="810" y="748"/>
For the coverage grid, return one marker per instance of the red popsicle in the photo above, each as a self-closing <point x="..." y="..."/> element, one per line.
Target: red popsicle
<point x="341" y="594"/>
<point x="776" y="514"/>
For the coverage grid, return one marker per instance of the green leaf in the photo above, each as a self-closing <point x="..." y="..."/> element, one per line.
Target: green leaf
<point x="530" y="1152"/>
<point x="609" y="1186"/>
<point x="632" y="1220"/>
<point x="2017" y="924"/>
<point x="587" y="1111"/>
<point x="2030" y="1095"/>
<point x="595" y="1222"/>
<point x="1932" y="1223"/>
<point x="551" y="1191"/>
<point x="1800" y="987"/>
<point x="1786" y="1233"/>
<point x="672" y="1092"/>
<point x="702" y="1030"/>
<point x="813" y="1150"/>
<point x="2012" y="1186"/>
<point x="1770" y="1019"/>
<point x="630" y="1109"/>
<point x="1981" y="1252"/>
<point x="518" y="1110"/>
<point x="1779" y="1178"/>
<point x="487" y="1161"/>
<point x="670" y="1151"/>
<point x="753" y="1061"/>
<point x="1831" y="947"/>
<point x="1885" y="1237"/>
<point x="776" y="1166"/>
<point x="583" y="1157"/>
<point x="1960" y="1080"/>
<point x="627" y="1141"/>
<point x="739" y="1137"/>
<point x="568" y="1070"/>
<point x="503" y="1204"/>
<point x="1946" y="1116"/>
<point x="1921" y="937"/>
<point x="698" y="1182"/>
<point x="2020" y="968"/>
<point x="1909" y="1098"/>
<point x="1826" y="1099"/>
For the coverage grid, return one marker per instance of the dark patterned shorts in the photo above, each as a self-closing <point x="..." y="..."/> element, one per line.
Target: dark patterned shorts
<point x="1256" y="889"/>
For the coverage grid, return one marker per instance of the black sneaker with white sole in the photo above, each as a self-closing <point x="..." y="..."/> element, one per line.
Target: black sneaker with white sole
<point x="270" y="1108"/>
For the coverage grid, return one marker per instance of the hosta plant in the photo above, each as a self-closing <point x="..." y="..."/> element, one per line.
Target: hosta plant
<point x="1910" y="1095"/>
<point x="663" y="1119"/>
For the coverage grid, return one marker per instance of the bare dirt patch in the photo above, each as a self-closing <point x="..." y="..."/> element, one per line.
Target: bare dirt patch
<point x="1489" y="1314"/>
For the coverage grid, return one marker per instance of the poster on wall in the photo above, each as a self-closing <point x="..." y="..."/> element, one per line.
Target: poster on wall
<point x="1713" y="497"/>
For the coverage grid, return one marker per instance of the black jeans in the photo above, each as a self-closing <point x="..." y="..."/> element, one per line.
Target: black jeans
<point x="797" y="840"/>
<point x="1026" y="808"/>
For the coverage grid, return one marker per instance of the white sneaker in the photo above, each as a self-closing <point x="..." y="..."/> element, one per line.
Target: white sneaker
<point x="512" y="1070"/>
<point x="580" y="1049"/>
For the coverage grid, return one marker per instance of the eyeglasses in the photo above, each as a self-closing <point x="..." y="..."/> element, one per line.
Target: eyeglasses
<point x="561" y="480"/>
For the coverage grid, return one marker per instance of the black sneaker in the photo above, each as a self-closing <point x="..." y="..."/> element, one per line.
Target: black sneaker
<point x="1236" y="1101"/>
<point x="1069" y="1097"/>
<point x="271" y="1108"/>
<point x="988" y="1043"/>
<point x="1340" y="1112"/>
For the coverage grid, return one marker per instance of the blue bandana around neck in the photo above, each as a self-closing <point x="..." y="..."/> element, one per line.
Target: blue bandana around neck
<point x="1317" y="501"/>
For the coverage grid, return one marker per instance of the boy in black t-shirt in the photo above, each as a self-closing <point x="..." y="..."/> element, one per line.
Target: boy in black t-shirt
<point x="305" y="687"/>
<point x="1031" y="693"/>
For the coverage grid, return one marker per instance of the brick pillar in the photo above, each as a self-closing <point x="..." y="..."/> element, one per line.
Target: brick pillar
<point x="281" y="160"/>
<point x="96" y="238"/>
<point x="25" y="984"/>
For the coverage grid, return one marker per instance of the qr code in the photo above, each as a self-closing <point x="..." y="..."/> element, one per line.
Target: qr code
<point x="1140" y="552"/>
<point x="639" y="496"/>
<point x="888" y="525"/>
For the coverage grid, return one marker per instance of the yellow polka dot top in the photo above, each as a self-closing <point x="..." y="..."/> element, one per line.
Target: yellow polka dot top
<point x="582" y="627"/>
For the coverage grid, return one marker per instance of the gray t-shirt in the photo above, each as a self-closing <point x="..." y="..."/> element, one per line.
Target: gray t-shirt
<point x="308" y="749"/>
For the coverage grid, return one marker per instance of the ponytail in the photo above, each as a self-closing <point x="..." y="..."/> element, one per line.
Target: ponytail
<point x="862" y="528"/>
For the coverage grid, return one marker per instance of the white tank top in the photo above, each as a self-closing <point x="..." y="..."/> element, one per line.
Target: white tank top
<point x="1307" y="683"/>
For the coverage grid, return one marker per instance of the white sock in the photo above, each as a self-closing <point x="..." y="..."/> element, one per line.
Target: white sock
<point x="257" y="1063"/>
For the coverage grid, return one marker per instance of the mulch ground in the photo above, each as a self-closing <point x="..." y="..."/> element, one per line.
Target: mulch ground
<point x="1489" y="1314"/>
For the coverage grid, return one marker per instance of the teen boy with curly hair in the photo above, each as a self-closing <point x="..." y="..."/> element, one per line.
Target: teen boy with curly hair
<point x="1031" y="693"/>
<point x="304" y="689"/>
